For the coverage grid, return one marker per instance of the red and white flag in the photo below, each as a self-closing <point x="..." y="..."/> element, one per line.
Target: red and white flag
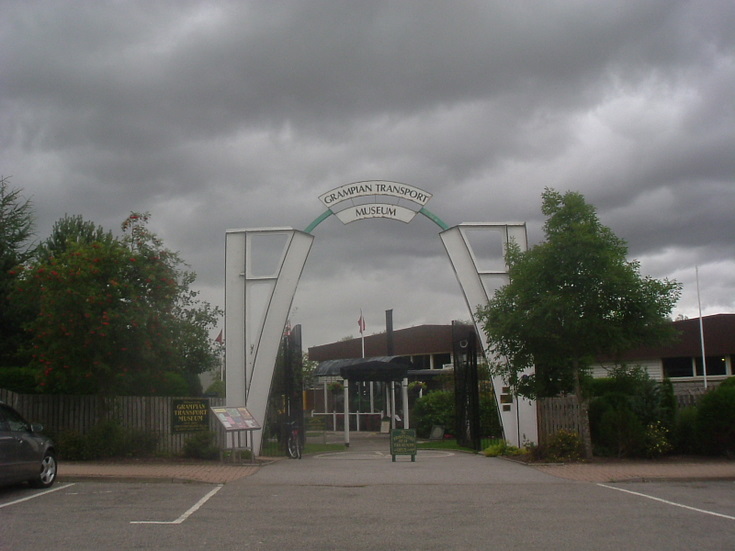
<point x="361" y="323"/>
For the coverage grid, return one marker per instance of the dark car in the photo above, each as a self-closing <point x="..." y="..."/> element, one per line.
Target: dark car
<point x="25" y="454"/>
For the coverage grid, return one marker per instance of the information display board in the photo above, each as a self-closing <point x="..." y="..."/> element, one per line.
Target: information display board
<point x="238" y="418"/>
<point x="403" y="442"/>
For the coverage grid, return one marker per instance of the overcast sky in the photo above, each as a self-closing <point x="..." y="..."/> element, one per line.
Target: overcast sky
<point x="220" y="115"/>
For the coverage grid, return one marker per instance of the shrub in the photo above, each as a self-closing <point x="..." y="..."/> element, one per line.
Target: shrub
<point x="685" y="436"/>
<point x="106" y="439"/>
<point x="632" y="414"/>
<point x="620" y="433"/>
<point x="564" y="445"/>
<point x="217" y="388"/>
<point x="201" y="446"/>
<point x="655" y="440"/>
<point x="72" y="446"/>
<point x="435" y="408"/>
<point x="501" y="448"/>
<point x="489" y="418"/>
<point x="716" y="420"/>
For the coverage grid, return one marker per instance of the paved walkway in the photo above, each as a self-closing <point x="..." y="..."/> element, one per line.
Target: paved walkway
<point x="221" y="473"/>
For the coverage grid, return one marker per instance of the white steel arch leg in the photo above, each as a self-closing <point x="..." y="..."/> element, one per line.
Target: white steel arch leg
<point x="262" y="270"/>
<point x="479" y="278"/>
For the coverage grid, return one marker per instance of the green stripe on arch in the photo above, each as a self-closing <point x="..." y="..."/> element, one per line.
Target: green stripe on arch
<point x="321" y="218"/>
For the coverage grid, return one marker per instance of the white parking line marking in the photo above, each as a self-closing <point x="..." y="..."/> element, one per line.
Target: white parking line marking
<point x="187" y="514"/>
<point x="9" y="503"/>
<point x="669" y="502"/>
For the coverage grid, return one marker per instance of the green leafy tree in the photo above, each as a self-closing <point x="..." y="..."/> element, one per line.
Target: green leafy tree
<point x="16" y="247"/>
<point x="116" y="316"/>
<point x="570" y="299"/>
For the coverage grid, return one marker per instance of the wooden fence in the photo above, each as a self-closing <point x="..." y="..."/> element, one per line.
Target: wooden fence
<point x="555" y="414"/>
<point x="559" y="413"/>
<point x="150" y="414"/>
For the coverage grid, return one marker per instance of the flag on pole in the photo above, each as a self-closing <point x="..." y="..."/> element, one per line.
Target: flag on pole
<point x="361" y="323"/>
<point x="219" y="338"/>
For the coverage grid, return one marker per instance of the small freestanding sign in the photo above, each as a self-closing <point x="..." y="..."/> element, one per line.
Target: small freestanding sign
<point x="403" y="442"/>
<point x="237" y="420"/>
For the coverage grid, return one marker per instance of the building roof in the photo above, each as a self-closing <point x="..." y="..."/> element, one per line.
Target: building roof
<point x="380" y="368"/>
<point x="422" y="339"/>
<point x="719" y="340"/>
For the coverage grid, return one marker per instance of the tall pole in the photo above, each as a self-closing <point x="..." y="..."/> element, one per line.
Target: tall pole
<point x="389" y="333"/>
<point x="701" y="329"/>
<point x="361" y="324"/>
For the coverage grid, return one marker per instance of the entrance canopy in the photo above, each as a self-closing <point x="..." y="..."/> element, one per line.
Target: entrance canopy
<point x="378" y="368"/>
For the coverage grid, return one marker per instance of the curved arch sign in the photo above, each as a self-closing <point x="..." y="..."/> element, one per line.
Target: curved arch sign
<point x="375" y="199"/>
<point x="263" y="267"/>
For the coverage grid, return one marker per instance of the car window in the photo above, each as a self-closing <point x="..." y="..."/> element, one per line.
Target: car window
<point x="14" y="420"/>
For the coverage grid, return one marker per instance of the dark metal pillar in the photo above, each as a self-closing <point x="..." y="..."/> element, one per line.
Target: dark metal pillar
<point x="466" y="385"/>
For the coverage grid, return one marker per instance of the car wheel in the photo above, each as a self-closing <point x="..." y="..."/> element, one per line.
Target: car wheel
<point x="47" y="476"/>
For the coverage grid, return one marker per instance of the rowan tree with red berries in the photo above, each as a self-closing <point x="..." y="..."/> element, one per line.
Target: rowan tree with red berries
<point x="116" y="315"/>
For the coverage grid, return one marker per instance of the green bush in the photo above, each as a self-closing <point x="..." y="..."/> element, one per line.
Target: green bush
<point x="489" y="417"/>
<point x="105" y="440"/>
<point x="631" y="414"/>
<point x="685" y="435"/>
<point x="435" y="408"/>
<point x="620" y="433"/>
<point x="656" y="440"/>
<point x="564" y="445"/>
<point x="501" y="448"/>
<point x="217" y="388"/>
<point x="201" y="446"/>
<point x="716" y="419"/>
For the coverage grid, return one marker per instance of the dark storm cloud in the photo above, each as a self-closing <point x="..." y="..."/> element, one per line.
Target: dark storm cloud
<point x="218" y="115"/>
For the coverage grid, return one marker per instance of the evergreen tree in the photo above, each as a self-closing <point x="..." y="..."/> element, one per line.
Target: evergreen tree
<point x="16" y="247"/>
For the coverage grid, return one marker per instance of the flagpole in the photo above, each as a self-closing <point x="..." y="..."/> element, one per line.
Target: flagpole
<point x="701" y="329"/>
<point x="361" y="323"/>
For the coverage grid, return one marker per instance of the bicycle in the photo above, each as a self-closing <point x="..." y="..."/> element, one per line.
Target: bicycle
<point x="293" y="444"/>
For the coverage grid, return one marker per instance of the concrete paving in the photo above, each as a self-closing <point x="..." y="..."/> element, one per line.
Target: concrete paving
<point x="369" y="448"/>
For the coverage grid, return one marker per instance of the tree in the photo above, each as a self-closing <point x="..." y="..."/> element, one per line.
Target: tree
<point x="571" y="299"/>
<point x="116" y="316"/>
<point x="16" y="231"/>
<point x="68" y="231"/>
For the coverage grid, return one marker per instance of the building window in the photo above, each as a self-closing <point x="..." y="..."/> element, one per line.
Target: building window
<point x="442" y="359"/>
<point x="716" y="365"/>
<point x="692" y="367"/>
<point x="678" y="367"/>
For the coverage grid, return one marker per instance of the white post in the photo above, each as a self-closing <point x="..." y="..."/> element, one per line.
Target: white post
<point x="347" y="412"/>
<point x="392" y="404"/>
<point x="701" y="330"/>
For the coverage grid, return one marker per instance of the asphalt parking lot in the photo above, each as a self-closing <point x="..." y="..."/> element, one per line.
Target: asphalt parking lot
<point x="360" y="500"/>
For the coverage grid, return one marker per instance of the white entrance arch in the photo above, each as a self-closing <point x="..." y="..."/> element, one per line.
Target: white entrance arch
<point x="263" y="267"/>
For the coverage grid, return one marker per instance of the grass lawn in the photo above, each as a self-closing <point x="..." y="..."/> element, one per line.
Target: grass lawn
<point x="446" y="444"/>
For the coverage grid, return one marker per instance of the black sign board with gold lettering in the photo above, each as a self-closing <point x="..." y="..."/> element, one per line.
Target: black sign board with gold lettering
<point x="403" y="442"/>
<point x="189" y="415"/>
